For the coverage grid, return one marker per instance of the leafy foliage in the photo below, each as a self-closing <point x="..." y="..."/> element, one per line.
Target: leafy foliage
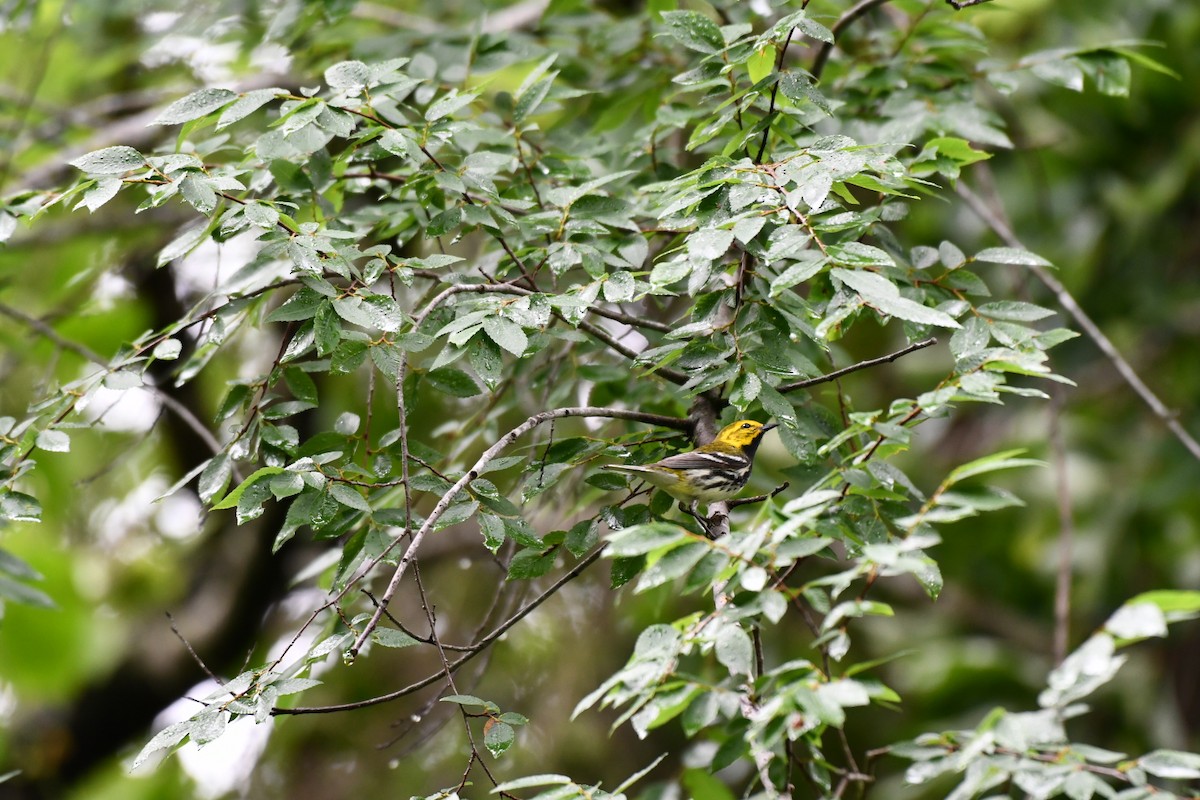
<point x="478" y="271"/>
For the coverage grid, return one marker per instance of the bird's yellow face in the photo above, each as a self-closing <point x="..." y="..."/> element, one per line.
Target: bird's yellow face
<point x="742" y="433"/>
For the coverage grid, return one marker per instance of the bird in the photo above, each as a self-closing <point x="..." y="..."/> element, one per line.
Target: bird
<point x="712" y="472"/>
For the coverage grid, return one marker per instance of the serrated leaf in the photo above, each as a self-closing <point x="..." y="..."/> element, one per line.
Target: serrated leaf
<point x="637" y="540"/>
<point x="106" y="189"/>
<point x="1173" y="764"/>
<point x="1014" y="311"/>
<point x="166" y="738"/>
<point x="167" y="350"/>
<point x="215" y="477"/>
<point x="198" y="192"/>
<point x="349" y="496"/>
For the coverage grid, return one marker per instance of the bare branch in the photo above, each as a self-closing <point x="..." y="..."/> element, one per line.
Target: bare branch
<point x="1066" y="532"/>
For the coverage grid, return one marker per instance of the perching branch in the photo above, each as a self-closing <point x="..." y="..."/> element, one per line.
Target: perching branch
<point x="832" y="376"/>
<point x="993" y="215"/>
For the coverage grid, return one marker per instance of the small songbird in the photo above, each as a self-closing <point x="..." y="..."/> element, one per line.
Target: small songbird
<point x="712" y="472"/>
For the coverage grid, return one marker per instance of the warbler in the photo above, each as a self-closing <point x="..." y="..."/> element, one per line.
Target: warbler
<point x="712" y="472"/>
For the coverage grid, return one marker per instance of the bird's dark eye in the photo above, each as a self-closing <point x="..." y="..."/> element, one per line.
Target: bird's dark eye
<point x="747" y="425"/>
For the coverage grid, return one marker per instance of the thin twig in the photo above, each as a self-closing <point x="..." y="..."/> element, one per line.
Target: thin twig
<point x="759" y="498"/>
<point x="762" y="144"/>
<point x="195" y="657"/>
<point x="843" y="22"/>
<point x="178" y="408"/>
<point x="474" y="472"/>
<point x="1066" y="532"/>
<point x="995" y="219"/>
<point x="833" y="376"/>
<point x="476" y="649"/>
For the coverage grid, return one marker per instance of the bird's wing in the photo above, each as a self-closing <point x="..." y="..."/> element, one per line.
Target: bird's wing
<point x="701" y="460"/>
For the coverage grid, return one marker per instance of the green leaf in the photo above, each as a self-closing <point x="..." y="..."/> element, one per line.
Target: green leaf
<point x="498" y="737"/>
<point x="195" y="105"/>
<point x="1170" y="601"/>
<point x="110" y="161"/>
<point x="246" y="105"/>
<point x="531" y="563"/>
<point x="167" y="350"/>
<point x="735" y="651"/>
<point x="165" y="739"/>
<point x="694" y="31"/>
<point x="19" y="507"/>
<point x="23" y="594"/>
<point x="350" y="77"/>
<point x="507" y="334"/>
<point x="215" y="477"/>
<point x="884" y="296"/>
<point x="997" y="461"/>
<point x="1173" y="764"/>
<point x="391" y="637"/>
<point x="710" y="244"/>
<point x="451" y="381"/>
<point x="1012" y="255"/>
<point x="53" y="441"/>
<point x="469" y="700"/>
<point x="231" y="500"/>
<point x="638" y="540"/>
<point x="531" y="781"/>
<point x="1014" y="311"/>
<point x="447" y="105"/>
<point x="349" y="496"/>
<point x="198" y="192"/>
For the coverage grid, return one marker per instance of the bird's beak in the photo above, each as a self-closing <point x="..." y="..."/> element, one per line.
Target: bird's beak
<point x="766" y="428"/>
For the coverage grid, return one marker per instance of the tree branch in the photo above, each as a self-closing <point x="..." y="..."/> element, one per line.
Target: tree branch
<point x="832" y="376"/>
<point x="995" y="219"/>
<point x="475" y="650"/>
<point x="843" y="22"/>
<point x="85" y="352"/>
<point x="488" y="456"/>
